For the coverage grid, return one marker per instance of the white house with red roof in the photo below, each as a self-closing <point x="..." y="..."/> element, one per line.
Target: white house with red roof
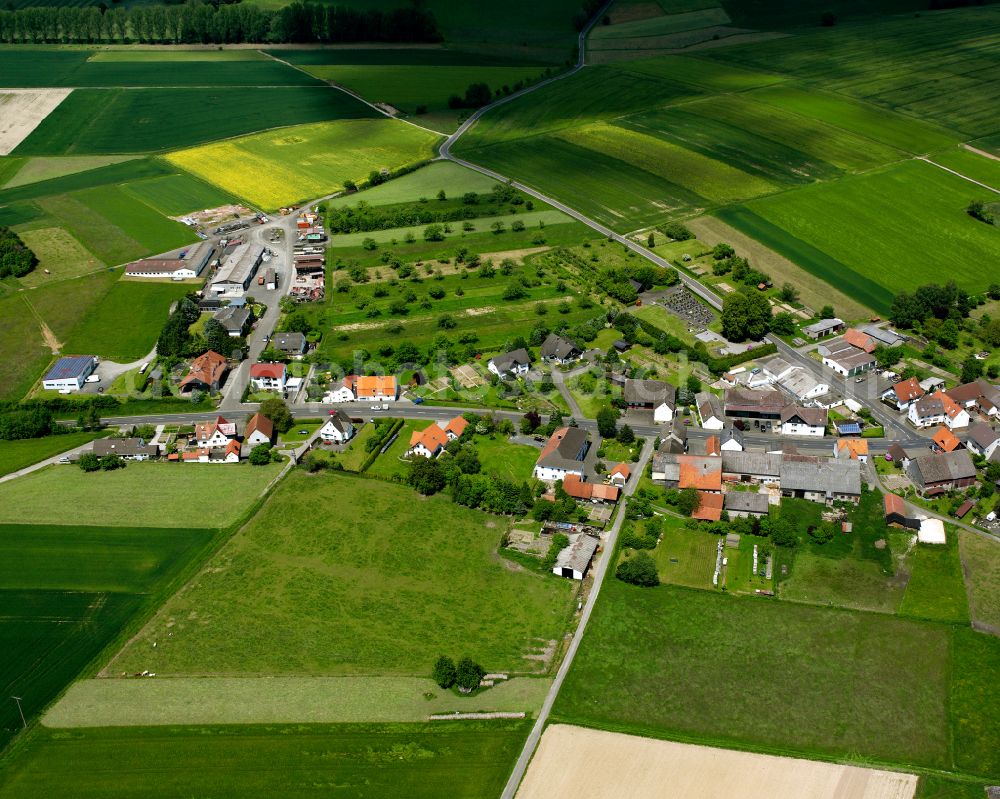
<point x="269" y="376"/>
<point x="430" y="442"/>
<point x="214" y="434"/>
<point x="260" y="430"/>
<point x="937" y="409"/>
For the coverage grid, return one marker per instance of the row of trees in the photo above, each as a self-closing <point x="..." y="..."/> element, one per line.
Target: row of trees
<point x="31" y="421"/>
<point x="197" y="22"/>
<point x="930" y="300"/>
<point x="16" y="259"/>
<point x="466" y="676"/>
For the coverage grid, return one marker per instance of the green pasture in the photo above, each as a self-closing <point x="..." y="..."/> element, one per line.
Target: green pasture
<point x="262" y="761"/>
<point x="846" y="582"/>
<point x="334" y="596"/>
<point x="427" y="181"/>
<point x="176" y="195"/>
<point x="911" y="223"/>
<point x="116" y="173"/>
<point x="505" y="459"/>
<point x="980" y="560"/>
<point x="975" y="166"/>
<point x="144" y="305"/>
<point x="684" y="556"/>
<point x="60" y="256"/>
<point x="95" y="231"/>
<point x="306" y="161"/>
<point x="15" y="455"/>
<point x="75" y="68"/>
<point x="864" y="119"/>
<point x="936" y="589"/>
<point x="158" y="119"/>
<point x="974" y="702"/>
<point x="279" y="700"/>
<point x="851" y="684"/>
<point x="132" y="55"/>
<point x="47" y="168"/>
<point x="390" y="56"/>
<point x="155" y="494"/>
<point x="388" y="465"/>
<point x="406" y="87"/>
<point x="62" y="304"/>
<point x="607" y="36"/>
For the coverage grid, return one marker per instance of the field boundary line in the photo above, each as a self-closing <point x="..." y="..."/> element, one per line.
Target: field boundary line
<point x="958" y="174"/>
<point x="977" y="151"/>
<point x="48" y="336"/>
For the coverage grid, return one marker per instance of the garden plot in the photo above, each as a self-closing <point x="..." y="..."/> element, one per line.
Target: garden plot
<point x="573" y="761"/>
<point x="22" y="110"/>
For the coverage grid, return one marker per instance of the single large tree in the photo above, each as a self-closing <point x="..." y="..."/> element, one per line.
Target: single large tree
<point x="445" y="672"/>
<point x="607" y="422"/>
<point x="277" y="411"/>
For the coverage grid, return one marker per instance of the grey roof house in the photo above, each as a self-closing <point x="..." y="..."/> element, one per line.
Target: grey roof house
<point x="937" y="473"/>
<point x="559" y="350"/>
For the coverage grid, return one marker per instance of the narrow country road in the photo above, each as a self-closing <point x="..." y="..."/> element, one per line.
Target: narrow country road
<point x="601" y="571"/>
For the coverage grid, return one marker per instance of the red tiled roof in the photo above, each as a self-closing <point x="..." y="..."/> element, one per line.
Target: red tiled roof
<point x="946" y="440"/>
<point x="860" y="339"/>
<point x="260" y="423"/>
<point x="371" y="386"/>
<point x="604" y="492"/>
<point x="622" y="469"/>
<point x="908" y="390"/>
<point x="712" y="446"/>
<point x="433" y="438"/>
<point x="456" y="426"/>
<point x="272" y="370"/>
<point x="709" y="507"/>
<point x="854" y="446"/>
<point x="894" y="504"/>
<point x="705" y="475"/>
<point x="577" y="488"/>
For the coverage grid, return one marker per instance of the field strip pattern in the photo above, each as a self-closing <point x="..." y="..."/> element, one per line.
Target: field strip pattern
<point x="574" y="762"/>
<point x="22" y="110"/>
<point x="277" y="700"/>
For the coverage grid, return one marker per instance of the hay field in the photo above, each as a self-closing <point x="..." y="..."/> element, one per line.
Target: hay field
<point x="58" y="252"/>
<point x="22" y="110"/>
<point x="298" y="163"/>
<point x="579" y="763"/>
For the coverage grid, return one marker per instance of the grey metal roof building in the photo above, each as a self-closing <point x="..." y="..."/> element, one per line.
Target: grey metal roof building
<point x="649" y="393"/>
<point x="821" y="476"/>
<point x="744" y="502"/>
<point x="758" y="465"/>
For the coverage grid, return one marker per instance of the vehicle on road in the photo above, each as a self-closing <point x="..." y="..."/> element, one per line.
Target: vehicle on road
<point x="418" y="400"/>
<point x="64" y="459"/>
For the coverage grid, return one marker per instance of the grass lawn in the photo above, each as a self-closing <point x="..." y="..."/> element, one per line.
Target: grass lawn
<point x="354" y="453"/>
<point x="981" y="564"/>
<point x="292" y="164"/>
<point x="384" y="592"/>
<point x="16" y="455"/>
<point x="503" y="458"/>
<point x="615" y="452"/>
<point x="388" y="464"/>
<point x="898" y="712"/>
<point x="296" y="762"/>
<point x="936" y="589"/>
<point x="844" y="582"/>
<point x="155" y="494"/>
<point x="145" y="305"/>
<point x="685" y="556"/>
<point x="279" y="700"/>
<point x="294" y="436"/>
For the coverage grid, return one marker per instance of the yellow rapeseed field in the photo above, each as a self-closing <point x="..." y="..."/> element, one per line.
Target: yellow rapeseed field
<point x="298" y="163"/>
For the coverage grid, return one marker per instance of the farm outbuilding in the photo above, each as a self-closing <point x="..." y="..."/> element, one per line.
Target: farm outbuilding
<point x="69" y="373"/>
<point x="574" y="561"/>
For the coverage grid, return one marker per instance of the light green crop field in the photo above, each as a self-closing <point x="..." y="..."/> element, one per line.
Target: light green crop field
<point x="337" y="595"/>
<point x="605" y="35"/>
<point x="914" y="224"/>
<point x="307" y="161"/>
<point x="424" y="182"/>
<point x="980" y="560"/>
<point x="110" y="243"/>
<point x="280" y="700"/>
<point x="975" y="166"/>
<point x="138" y="220"/>
<point x="175" y="195"/>
<point x="42" y="168"/>
<point x="16" y="455"/>
<point x="365" y="761"/>
<point x="406" y="86"/>
<point x="135" y="54"/>
<point x="59" y="254"/>
<point x="154" y="494"/>
<point x="864" y="119"/>
<point x="936" y="589"/>
<point x="715" y="180"/>
<point x="842" y="582"/>
<point x="146" y="307"/>
<point x="903" y="710"/>
<point x="701" y="73"/>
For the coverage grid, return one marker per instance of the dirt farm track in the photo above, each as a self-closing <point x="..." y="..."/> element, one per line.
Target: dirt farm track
<point x="579" y="763"/>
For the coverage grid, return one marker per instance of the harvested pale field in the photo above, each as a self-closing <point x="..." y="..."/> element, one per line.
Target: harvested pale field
<point x="59" y="254"/>
<point x="813" y="291"/>
<point x="22" y="110"/>
<point x="577" y="763"/>
<point x="278" y="700"/>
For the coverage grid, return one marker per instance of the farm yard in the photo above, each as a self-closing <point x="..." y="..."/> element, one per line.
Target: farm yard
<point x="396" y="595"/>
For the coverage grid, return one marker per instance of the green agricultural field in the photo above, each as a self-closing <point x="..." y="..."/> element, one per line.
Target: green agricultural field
<point x="92" y="120"/>
<point x="974" y="702"/>
<point x="936" y="589"/>
<point x="390" y="56"/>
<point x="426" y="182"/>
<point x="63" y="304"/>
<point x="898" y="711"/>
<point x="745" y="149"/>
<point x="292" y="164"/>
<point x="864" y="119"/>
<point x="121" y="172"/>
<point x="9" y="167"/>
<point x="297" y="762"/>
<point x="700" y="72"/>
<point x="176" y="195"/>
<point x="914" y="223"/>
<point x="36" y="169"/>
<point x="136" y="219"/>
<point x="23" y="353"/>
<point x="406" y="87"/>
<point x="842" y="582"/>
<point x="609" y="36"/>
<point x="16" y="455"/>
<point x="146" y="307"/>
<point x="975" y="166"/>
<point x="92" y="229"/>
<point x="715" y="180"/>
<point x="279" y="700"/>
<point x="338" y="597"/>
<point x="100" y="559"/>
<point x="141" y="494"/>
<point x="60" y="256"/>
<point x="929" y="66"/>
<point x="980" y="560"/>
<point x="75" y="68"/>
<point x="47" y="637"/>
<point x="131" y="55"/>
